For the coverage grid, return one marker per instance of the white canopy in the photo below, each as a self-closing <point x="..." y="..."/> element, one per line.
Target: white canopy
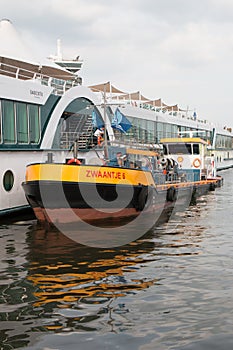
<point x="105" y="87"/>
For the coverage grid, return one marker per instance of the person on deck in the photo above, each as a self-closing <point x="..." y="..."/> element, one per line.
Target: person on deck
<point x="99" y="134"/>
<point x="117" y="161"/>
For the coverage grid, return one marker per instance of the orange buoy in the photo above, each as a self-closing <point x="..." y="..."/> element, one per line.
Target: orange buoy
<point x="74" y="161"/>
<point x="197" y="163"/>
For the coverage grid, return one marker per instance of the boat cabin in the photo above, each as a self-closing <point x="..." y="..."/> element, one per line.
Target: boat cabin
<point x="191" y="157"/>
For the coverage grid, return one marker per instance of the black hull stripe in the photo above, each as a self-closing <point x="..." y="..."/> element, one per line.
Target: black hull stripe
<point x="84" y="195"/>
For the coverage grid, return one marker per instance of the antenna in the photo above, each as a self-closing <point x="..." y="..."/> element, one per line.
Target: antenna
<point x="59" y="54"/>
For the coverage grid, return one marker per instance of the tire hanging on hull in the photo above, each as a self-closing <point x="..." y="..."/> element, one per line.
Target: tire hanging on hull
<point x="144" y="198"/>
<point x="171" y="194"/>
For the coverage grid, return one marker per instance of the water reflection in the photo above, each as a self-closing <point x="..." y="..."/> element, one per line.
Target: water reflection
<point x="50" y="283"/>
<point x="63" y="271"/>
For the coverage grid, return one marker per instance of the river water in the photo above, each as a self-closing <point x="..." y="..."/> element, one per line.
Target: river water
<point x="170" y="289"/>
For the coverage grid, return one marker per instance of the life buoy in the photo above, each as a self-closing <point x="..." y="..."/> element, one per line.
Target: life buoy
<point x="196" y="163"/>
<point x="180" y="159"/>
<point x="74" y="161"/>
<point x="171" y="194"/>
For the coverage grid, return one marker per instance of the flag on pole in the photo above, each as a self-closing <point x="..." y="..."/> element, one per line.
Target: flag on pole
<point x="97" y="120"/>
<point x="120" y="122"/>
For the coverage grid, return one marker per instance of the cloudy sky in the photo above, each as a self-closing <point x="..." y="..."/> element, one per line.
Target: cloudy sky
<point x="179" y="50"/>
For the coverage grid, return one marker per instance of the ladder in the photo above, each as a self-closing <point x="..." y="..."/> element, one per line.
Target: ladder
<point x="79" y="127"/>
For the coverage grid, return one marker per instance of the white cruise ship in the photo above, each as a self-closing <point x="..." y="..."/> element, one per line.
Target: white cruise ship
<point x="44" y="109"/>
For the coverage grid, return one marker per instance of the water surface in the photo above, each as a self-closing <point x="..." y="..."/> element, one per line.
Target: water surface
<point x="171" y="289"/>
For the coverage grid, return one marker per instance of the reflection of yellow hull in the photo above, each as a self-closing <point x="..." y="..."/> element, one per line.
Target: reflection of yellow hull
<point x="74" y="272"/>
<point x="53" y="289"/>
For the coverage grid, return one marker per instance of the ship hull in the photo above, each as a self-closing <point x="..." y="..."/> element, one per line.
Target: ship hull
<point x="104" y="201"/>
<point x="67" y="202"/>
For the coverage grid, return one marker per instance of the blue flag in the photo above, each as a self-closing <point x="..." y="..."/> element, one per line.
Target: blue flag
<point x="97" y="120"/>
<point x="120" y="122"/>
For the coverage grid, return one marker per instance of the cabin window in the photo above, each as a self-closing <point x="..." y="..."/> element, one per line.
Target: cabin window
<point x="22" y="122"/>
<point x="8" y="120"/>
<point x="180" y="148"/>
<point x="165" y="151"/>
<point x="34" y="123"/>
<point x="196" y="148"/>
<point x="19" y="123"/>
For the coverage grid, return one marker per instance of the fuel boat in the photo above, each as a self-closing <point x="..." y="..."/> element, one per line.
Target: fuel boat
<point x="130" y="183"/>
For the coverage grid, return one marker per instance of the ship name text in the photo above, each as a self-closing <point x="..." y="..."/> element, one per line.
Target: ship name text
<point x="105" y="174"/>
<point x="36" y="93"/>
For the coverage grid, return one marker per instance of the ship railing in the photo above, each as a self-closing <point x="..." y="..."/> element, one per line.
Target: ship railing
<point x="86" y="141"/>
<point x="129" y="144"/>
<point x="171" y="177"/>
<point x="60" y="86"/>
<point x="137" y="144"/>
<point x="184" y="114"/>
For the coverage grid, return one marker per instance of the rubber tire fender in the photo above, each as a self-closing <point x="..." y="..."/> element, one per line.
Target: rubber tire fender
<point x="171" y="194"/>
<point x="145" y="197"/>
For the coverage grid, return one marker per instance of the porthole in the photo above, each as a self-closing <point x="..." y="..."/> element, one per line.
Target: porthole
<point x="8" y="180"/>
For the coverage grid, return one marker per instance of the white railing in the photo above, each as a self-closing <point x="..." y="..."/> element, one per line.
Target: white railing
<point x="184" y="114"/>
<point x="59" y="85"/>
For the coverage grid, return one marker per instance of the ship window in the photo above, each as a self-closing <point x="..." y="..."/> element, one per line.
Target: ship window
<point x="196" y="148"/>
<point x="180" y="148"/>
<point x="168" y="132"/>
<point x="22" y="123"/>
<point x="34" y="123"/>
<point x="160" y="133"/>
<point x="165" y="152"/>
<point x="8" y="120"/>
<point x="175" y="130"/>
<point x="150" y="126"/>
<point x="8" y="180"/>
<point x="142" y="130"/>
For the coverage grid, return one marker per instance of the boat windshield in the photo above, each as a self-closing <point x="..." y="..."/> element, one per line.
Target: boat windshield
<point x="183" y="148"/>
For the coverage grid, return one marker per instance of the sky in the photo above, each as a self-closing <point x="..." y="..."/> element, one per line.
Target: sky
<point x="177" y="50"/>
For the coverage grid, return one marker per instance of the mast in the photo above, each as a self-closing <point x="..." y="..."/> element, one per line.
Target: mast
<point x="59" y="52"/>
<point x="105" y="129"/>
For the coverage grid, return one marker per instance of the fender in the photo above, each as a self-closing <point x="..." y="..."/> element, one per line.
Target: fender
<point x="171" y="194"/>
<point x="144" y="198"/>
